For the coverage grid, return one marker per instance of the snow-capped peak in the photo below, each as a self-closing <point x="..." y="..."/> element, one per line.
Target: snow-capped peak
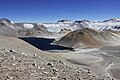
<point x="113" y="20"/>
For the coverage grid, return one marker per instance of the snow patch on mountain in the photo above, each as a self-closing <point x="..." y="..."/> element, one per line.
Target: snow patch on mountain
<point x="12" y="22"/>
<point x="28" y="25"/>
<point x="56" y="27"/>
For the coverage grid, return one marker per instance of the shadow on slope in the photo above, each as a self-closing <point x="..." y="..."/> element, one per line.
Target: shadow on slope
<point x="44" y="44"/>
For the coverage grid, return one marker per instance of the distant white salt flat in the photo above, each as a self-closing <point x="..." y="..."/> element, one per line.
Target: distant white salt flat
<point x="28" y="25"/>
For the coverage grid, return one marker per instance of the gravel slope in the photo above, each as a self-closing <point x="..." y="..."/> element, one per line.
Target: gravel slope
<point x="22" y="66"/>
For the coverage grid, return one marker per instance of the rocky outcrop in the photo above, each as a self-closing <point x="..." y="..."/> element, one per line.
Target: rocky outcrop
<point x="64" y="21"/>
<point x="65" y="30"/>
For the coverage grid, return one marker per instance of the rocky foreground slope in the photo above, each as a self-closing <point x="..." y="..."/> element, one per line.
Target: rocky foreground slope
<point x="22" y="66"/>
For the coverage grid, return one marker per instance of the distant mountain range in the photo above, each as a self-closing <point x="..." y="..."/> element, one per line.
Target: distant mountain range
<point x="111" y="24"/>
<point x="11" y="28"/>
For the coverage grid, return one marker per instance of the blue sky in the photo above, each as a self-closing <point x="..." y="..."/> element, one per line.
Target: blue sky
<point x="53" y="10"/>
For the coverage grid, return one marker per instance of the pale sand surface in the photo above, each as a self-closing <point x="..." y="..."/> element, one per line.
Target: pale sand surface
<point x="114" y="52"/>
<point x="85" y="59"/>
<point x="104" y="61"/>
